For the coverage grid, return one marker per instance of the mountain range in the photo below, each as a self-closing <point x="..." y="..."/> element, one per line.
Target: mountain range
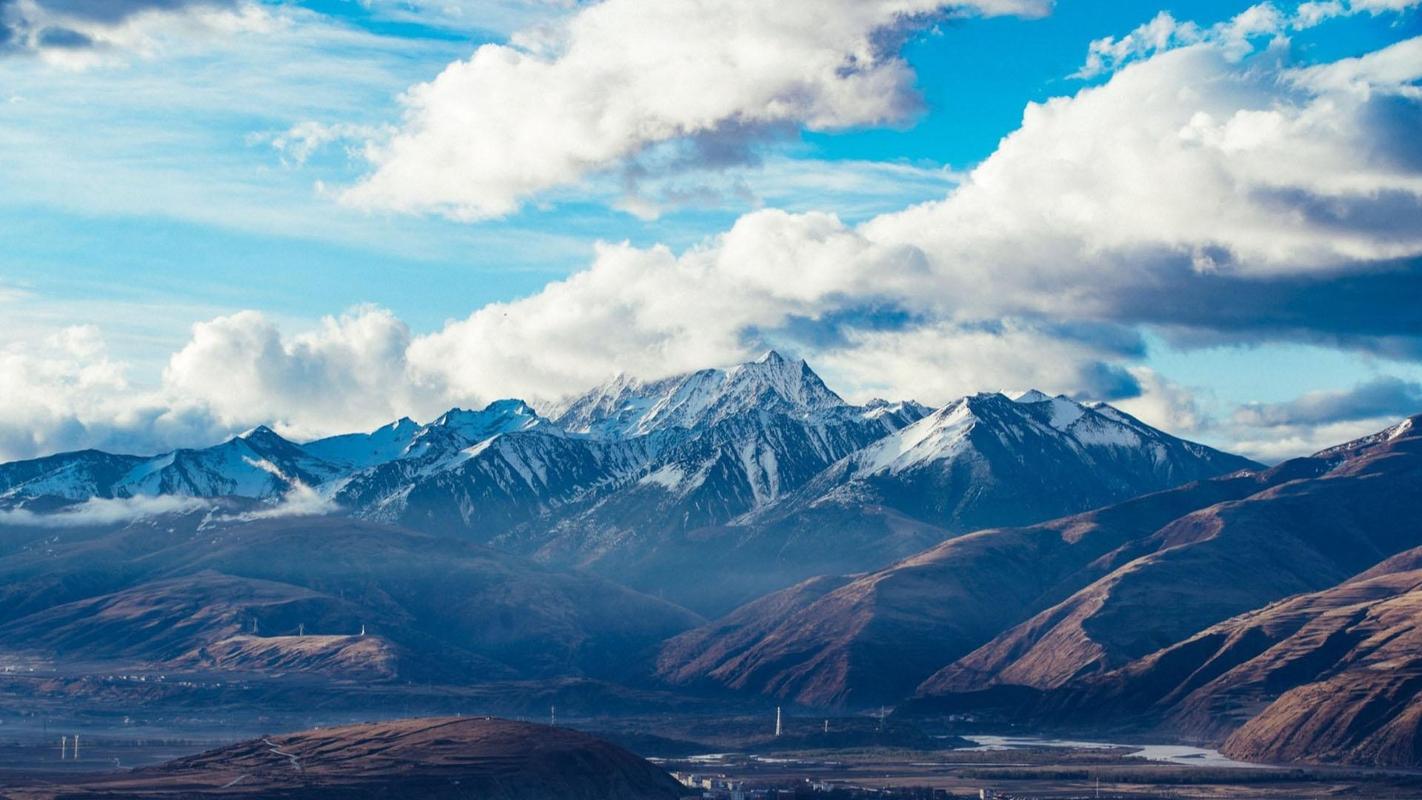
<point x="1271" y="611"/>
<point x="754" y="476"/>
<point x="746" y="535"/>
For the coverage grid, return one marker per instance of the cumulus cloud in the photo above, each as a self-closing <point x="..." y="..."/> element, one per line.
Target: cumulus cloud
<point x="66" y="391"/>
<point x="604" y="85"/>
<point x="243" y="372"/>
<point x="1236" y="36"/>
<point x="1167" y="404"/>
<point x="1210" y="195"/>
<point x="1189" y="191"/>
<point x="1205" y="196"/>
<point x="1164" y="32"/>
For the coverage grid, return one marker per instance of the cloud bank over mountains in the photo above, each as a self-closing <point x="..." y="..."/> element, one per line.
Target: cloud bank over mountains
<point x="1207" y="192"/>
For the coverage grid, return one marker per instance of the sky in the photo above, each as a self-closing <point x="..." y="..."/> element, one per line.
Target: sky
<point x="325" y="215"/>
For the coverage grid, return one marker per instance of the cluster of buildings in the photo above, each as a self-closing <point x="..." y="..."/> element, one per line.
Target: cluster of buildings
<point x="720" y="787"/>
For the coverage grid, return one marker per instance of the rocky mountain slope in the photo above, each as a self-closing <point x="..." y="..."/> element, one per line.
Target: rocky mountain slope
<point x="295" y="594"/>
<point x="1041" y="606"/>
<point x="988" y="460"/>
<point x="1297" y="536"/>
<point x="1329" y="676"/>
<point x="758" y="502"/>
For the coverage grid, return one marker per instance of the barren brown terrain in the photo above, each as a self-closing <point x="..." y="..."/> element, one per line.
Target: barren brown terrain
<point x="416" y="759"/>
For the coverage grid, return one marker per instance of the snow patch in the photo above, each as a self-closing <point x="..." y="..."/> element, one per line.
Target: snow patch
<point x="1031" y="396"/>
<point x="940" y="435"/>
<point x="668" y="477"/>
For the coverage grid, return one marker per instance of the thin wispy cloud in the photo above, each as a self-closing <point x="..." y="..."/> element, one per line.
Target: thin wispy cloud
<point x="97" y="511"/>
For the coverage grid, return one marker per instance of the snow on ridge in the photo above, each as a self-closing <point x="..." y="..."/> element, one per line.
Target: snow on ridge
<point x="668" y="476"/>
<point x="629" y="407"/>
<point x="1030" y="396"/>
<point x="935" y="437"/>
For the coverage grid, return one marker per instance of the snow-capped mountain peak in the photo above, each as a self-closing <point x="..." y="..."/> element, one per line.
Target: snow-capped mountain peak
<point x="790" y="380"/>
<point x="629" y="407"/>
<point x="1030" y="396"/>
<point x="458" y="428"/>
<point x="1061" y="412"/>
<point x="359" y="450"/>
<point x="500" y="416"/>
<point x="937" y="436"/>
<point x="1024" y="425"/>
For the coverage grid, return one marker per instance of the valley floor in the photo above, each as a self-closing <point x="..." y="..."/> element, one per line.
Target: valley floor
<point x="718" y="754"/>
<point x="1054" y="773"/>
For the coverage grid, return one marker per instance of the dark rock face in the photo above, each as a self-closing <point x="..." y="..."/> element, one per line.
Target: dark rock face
<point x="415" y="759"/>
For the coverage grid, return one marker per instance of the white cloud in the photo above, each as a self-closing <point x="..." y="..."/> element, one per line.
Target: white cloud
<point x="65" y="391"/>
<point x="1184" y="158"/>
<point x="1190" y="191"/>
<point x="104" y="511"/>
<point x="79" y="35"/>
<point x="242" y="371"/>
<point x="1166" y="404"/>
<point x="588" y="92"/>
<point x="1382" y="6"/>
<point x="1164" y="32"/>
<point x="937" y="362"/>
<point x="1235" y="36"/>
<point x="1271" y="445"/>
<point x="1393" y="69"/>
<point x="298" y="501"/>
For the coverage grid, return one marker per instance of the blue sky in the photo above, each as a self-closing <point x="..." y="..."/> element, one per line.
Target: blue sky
<point x="157" y="182"/>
